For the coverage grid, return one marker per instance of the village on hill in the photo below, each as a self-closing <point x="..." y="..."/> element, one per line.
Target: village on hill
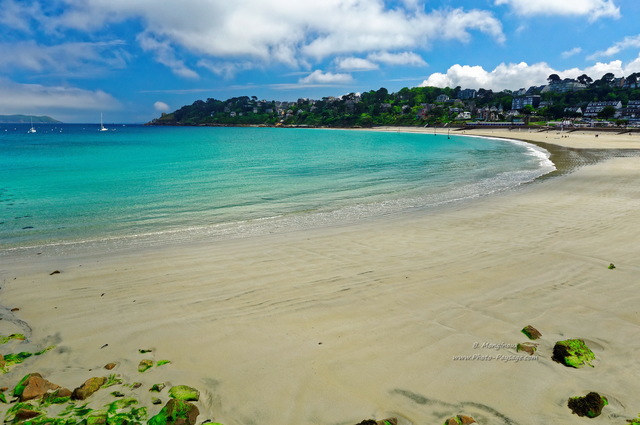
<point x="580" y="102"/>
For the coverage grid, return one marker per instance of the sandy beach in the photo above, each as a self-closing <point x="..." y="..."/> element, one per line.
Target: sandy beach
<point x="368" y="320"/>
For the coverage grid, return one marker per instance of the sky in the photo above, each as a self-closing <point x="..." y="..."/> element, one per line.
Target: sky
<point x="132" y="60"/>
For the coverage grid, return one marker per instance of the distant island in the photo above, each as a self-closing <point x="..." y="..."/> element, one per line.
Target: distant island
<point x="608" y="101"/>
<point x="26" y="119"/>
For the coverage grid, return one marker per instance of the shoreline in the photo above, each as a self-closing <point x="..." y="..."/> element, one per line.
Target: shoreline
<point x="368" y="320"/>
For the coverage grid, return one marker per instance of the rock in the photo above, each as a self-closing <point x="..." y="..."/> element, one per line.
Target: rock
<point x="33" y="386"/>
<point x="531" y="332"/>
<point x="528" y="347"/>
<point x="25" y="414"/>
<point x="96" y="418"/>
<point x="184" y="392"/>
<point x="157" y="387"/>
<point x="611" y="266"/>
<point x="54" y="272"/>
<point x="156" y="400"/>
<point x="590" y="405"/>
<point x="89" y="387"/>
<point x="573" y="353"/>
<point x="145" y="365"/>
<point x="59" y="396"/>
<point x="460" y="420"/>
<point x="176" y="412"/>
<point x="388" y="421"/>
<point x="110" y="366"/>
<point x="2" y="362"/>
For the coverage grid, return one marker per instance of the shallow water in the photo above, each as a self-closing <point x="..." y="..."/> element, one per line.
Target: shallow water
<point x="71" y="184"/>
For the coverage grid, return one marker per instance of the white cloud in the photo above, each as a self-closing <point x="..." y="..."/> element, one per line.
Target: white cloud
<point x="68" y="58"/>
<point x="165" y="55"/>
<point x="626" y="43"/>
<point x="355" y="64"/>
<point x="160" y="106"/>
<point x="319" y="77"/>
<point x="270" y="31"/>
<point x="516" y="75"/>
<point x="404" y="58"/>
<point x="35" y="98"/>
<point x="572" y="52"/>
<point x="592" y="9"/>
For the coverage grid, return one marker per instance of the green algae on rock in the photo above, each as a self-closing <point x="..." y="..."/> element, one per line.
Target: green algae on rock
<point x="460" y="420"/>
<point x="531" y="332"/>
<point x="157" y="387"/>
<point x="573" y="353"/>
<point x="10" y="360"/>
<point x="176" y="412"/>
<point x="5" y="339"/>
<point x="89" y="387"/>
<point x="145" y="365"/>
<point x="184" y="392"/>
<point x="590" y="405"/>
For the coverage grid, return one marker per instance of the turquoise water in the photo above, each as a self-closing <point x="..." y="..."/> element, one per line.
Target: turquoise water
<point x="72" y="184"/>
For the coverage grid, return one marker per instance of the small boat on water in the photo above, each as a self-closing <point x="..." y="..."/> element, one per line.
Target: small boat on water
<point x="32" y="129"/>
<point x="102" y="127"/>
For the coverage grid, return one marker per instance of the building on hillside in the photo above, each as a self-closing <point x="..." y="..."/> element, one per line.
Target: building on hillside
<point x="467" y="94"/>
<point x="442" y="98"/>
<point x="522" y="101"/>
<point x="631" y="113"/>
<point x="594" y="108"/>
<point x="564" y="86"/>
<point x="573" y="111"/>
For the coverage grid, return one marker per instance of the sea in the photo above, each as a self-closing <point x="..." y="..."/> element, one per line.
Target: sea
<point x="70" y="186"/>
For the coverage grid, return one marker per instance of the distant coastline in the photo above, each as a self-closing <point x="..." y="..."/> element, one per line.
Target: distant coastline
<point x="27" y="119"/>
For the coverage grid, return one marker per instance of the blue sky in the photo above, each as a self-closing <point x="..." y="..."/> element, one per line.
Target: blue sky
<point x="134" y="59"/>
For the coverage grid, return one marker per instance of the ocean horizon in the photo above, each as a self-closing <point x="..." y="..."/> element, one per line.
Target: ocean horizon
<point x="70" y="185"/>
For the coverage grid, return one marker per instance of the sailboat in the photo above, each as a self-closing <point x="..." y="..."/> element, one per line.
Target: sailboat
<point x="32" y="129"/>
<point x="102" y="127"/>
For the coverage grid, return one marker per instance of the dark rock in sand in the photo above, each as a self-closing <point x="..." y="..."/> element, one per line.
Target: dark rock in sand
<point x="531" y="332"/>
<point x="388" y="421"/>
<point x="25" y="414"/>
<point x="54" y="272"/>
<point x="176" y="412"/>
<point x="573" y="353"/>
<point x="110" y="366"/>
<point x="144" y="365"/>
<point x="89" y="387"/>
<point x="590" y="405"/>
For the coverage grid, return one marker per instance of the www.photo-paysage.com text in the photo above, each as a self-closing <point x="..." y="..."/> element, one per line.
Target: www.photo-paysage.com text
<point x="500" y="357"/>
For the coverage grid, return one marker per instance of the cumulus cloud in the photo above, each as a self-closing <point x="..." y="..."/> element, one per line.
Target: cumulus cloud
<point x="291" y="33"/>
<point x="160" y="106"/>
<point x="36" y="98"/>
<point x="517" y="75"/>
<point x="319" y="77"/>
<point x="592" y="9"/>
<point x="626" y="43"/>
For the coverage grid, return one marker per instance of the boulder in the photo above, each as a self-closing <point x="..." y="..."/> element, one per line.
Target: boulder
<point x="184" y="392"/>
<point x="590" y="405"/>
<point x="33" y="386"/>
<point x="573" y="353"/>
<point x="176" y="412"/>
<point x="531" y="332"/>
<point x="89" y="387"/>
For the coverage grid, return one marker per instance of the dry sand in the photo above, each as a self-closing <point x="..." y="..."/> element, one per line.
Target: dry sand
<point x="341" y="324"/>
